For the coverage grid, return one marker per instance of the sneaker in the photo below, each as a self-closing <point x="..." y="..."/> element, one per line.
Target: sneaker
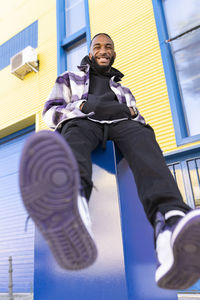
<point x="178" y="251"/>
<point x="49" y="184"/>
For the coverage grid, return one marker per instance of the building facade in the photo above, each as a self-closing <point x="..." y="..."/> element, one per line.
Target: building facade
<point x="157" y="50"/>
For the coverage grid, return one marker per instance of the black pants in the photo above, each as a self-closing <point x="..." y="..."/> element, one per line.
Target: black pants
<point x="156" y="187"/>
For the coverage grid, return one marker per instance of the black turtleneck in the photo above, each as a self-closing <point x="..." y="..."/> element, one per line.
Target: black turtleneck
<point x="101" y="99"/>
<point x="99" y="86"/>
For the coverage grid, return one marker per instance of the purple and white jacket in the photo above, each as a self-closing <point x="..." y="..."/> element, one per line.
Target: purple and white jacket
<point x="70" y="90"/>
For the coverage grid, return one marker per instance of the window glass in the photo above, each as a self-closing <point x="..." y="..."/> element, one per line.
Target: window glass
<point x="75" y="54"/>
<point x="179" y="180"/>
<point x="198" y="166"/>
<point x="182" y="15"/>
<point x="171" y="169"/>
<point x="194" y="170"/>
<point x="178" y="176"/>
<point x="74" y="15"/>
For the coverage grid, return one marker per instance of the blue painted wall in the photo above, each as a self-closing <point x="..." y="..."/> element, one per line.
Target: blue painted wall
<point x="106" y="278"/>
<point x="14" y="241"/>
<point x="139" y="254"/>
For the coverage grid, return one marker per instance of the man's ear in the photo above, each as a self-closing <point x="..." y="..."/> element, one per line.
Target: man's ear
<point x="114" y="54"/>
<point x="90" y="56"/>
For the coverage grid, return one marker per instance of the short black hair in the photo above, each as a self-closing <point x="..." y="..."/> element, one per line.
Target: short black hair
<point x="101" y="33"/>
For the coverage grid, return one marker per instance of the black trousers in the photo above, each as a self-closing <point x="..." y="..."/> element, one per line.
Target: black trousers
<point x="156" y="186"/>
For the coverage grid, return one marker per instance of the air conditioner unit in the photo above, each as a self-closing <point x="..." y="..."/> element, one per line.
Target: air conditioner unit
<point x="24" y="62"/>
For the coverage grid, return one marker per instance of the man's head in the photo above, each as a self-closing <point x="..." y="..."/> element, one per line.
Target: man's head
<point x="102" y="52"/>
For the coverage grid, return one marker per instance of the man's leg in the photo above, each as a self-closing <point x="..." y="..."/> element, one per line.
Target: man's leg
<point x="176" y="226"/>
<point x="83" y="136"/>
<point x="156" y="186"/>
<point x="51" y="192"/>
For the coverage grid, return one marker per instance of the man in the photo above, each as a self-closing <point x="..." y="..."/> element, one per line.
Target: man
<point x="87" y="108"/>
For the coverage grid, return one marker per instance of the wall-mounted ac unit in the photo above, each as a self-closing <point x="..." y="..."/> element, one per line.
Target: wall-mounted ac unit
<point x="24" y="62"/>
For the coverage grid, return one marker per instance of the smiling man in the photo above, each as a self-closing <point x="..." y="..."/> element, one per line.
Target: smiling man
<point x="87" y="108"/>
<point x="102" y="52"/>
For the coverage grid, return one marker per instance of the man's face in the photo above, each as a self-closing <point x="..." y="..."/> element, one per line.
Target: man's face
<point x="102" y="51"/>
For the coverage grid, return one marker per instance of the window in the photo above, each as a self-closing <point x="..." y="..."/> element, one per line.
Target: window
<point x="178" y="176"/>
<point x="74" y="53"/>
<point x="73" y="33"/>
<point x="74" y="15"/>
<point x="186" y="172"/>
<point x="193" y="168"/>
<point x="185" y="51"/>
<point x="178" y="28"/>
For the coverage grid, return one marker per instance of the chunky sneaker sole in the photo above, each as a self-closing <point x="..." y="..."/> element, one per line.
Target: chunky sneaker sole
<point x="185" y="267"/>
<point x="49" y="184"/>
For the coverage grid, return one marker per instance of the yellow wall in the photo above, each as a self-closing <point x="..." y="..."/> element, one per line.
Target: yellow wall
<point x="22" y="101"/>
<point x="132" y="26"/>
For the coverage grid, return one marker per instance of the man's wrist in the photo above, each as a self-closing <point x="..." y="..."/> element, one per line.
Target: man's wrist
<point x="134" y="111"/>
<point x="81" y="106"/>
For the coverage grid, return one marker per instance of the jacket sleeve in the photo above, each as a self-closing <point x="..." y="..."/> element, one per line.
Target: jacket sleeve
<point x="131" y="102"/>
<point x="58" y="106"/>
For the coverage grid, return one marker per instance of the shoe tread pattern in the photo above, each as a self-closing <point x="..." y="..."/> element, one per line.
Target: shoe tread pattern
<point x="49" y="181"/>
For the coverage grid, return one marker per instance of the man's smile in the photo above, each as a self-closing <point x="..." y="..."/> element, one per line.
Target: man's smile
<point x="103" y="60"/>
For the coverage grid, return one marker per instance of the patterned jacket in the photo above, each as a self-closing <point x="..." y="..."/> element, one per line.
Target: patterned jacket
<point x="71" y="89"/>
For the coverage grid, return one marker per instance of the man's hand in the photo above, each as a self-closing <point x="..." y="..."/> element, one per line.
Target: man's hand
<point x="132" y="112"/>
<point x="107" y="110"/>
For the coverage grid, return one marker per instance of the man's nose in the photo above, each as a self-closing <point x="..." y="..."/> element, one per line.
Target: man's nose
<point x="102" y="50"/>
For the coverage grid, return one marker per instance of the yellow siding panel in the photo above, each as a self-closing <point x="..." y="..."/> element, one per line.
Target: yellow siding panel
<point x="17" y="15"/>
<point x="22" y="101"/>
